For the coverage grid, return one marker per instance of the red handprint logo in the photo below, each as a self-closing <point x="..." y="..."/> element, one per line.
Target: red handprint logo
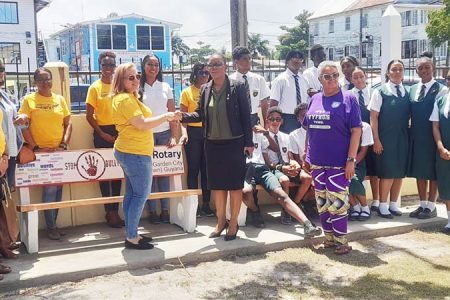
<point x="92" y="164"/>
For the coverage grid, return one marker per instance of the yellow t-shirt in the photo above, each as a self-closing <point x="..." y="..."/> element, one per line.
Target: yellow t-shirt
<point x="98" y="97"/>
<point x="190" y="98"/>
<point x="2" y="136"/>
<point x="46" y="116"/>
<point x="126" y="106"/>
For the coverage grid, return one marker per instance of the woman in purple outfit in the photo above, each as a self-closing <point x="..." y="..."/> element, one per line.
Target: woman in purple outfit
<point x="333" y="123"/>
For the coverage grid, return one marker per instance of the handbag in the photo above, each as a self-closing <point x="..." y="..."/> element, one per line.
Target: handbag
<point x="26" y="155"/>
<point x="9" y="210"/>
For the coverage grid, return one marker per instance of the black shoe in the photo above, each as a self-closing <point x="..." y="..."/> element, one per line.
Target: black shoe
<point x="154" y="218"/>
<point x="387" y="216"/>
<point x="256" y="219"/>
<point x="286" y="219"/>
<point x="199" y="213"/>
<point x="354" y="215"/>
<point x="146" y="239"/>
<point x="231" y="237"/>
<point x="446" y="230"/>
<point x="427" y="214"/>
<point x="141" y="245"/>
<point x="216" y="234"/>
<point x="364" y="216"/>
<point x="415" y="213"/>
<point x="311" y="230"/>
<point x="374" y="208"/>
<point x="396" y="213"/>
<point x="207" y="211"/>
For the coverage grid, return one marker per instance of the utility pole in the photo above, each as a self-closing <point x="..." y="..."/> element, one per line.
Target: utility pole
<point x="238" y="15"/>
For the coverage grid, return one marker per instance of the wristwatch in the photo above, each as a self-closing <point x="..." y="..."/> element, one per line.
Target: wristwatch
<point x="352" y="159"/>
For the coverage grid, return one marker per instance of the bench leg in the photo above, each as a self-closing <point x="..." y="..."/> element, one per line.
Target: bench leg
<point x="183" y="212"/>
<point x="242" y="213"/>
<point x="29" y="230"/>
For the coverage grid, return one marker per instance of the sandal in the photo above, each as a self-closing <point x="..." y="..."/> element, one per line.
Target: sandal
<point x="343" y="249"/>
<point x="328" y="244"/>
<point x="354" y="215"/>
<point x="4" y="269"/>
<point x="364" y="216"/>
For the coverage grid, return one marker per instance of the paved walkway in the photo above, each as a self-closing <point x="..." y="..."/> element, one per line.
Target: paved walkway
<point x="96" y="249"/>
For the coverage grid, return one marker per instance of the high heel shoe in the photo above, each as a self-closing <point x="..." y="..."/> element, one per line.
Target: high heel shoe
<point x="216" y="234"/>
<point x="231" y="237"/>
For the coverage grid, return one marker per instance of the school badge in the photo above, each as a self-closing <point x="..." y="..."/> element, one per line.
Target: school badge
<point x="335" y="104"/>
<point x="256" y="145"/>
<point x="255" y="93"/>
<point x="284" y="149"/>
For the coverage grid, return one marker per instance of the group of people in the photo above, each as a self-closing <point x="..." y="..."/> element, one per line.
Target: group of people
<point x="311" y="135"/>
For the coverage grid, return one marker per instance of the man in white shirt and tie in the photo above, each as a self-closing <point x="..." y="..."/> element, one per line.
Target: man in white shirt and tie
<point x="257" y="88"/>
<point x="317" y="55"/>
<point x="289" y="89"/>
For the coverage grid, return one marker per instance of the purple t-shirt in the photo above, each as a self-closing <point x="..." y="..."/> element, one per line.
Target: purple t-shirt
<point x="329" y="121"/>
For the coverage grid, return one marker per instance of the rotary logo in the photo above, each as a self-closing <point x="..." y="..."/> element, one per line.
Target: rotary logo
<point x="91" y="165"/>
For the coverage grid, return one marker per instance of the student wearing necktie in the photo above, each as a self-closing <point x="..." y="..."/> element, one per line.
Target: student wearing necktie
<point x="348" y="65"/>
<point x="422" y="148"/>
<point x="389" y="117"/>
<point x="289" y="89"/>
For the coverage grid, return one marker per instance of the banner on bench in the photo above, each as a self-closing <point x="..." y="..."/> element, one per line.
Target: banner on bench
<point x="91" y="165"/>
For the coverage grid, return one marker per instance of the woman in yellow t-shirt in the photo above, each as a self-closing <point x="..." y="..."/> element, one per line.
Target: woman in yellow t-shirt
<point x="99" y="116"/>
<point x="192" y="136"/>
<point x="133" y="148"/>
<point x="49" y="130"/>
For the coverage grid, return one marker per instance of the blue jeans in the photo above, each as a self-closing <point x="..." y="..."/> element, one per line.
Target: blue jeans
<point x="138" y="179"/>
<point x="160" y="184"/>
<point x="51" y="193"/>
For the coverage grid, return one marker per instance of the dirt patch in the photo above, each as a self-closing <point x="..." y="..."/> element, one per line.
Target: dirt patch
<point x="409" y="266"/>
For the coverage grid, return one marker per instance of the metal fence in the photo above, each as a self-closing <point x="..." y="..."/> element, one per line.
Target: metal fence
<point x="21" y="83"/>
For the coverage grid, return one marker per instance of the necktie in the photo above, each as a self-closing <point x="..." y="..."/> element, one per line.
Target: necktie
<point x="297" y="89"/>
<point x="247" y="88"/>
<point x="422" y="93"/>
<point x="246" y="81"/>
<point x="350" y="86"/>
<point x="399" y="93"/>
<point x="361" y="99"/>
<point x="280" y="158"/>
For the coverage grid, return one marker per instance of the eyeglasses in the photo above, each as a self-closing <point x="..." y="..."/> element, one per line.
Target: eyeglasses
<point x="153" y="65"/>
<point x="134" y="77"/>
<point x="46" y="80"/>
<point x="203" y="73"/>
<point x="275" y="119"/>
<point x="108" y="65"/>
<point x="218" y="65"/>
<point x="329" y="77"/>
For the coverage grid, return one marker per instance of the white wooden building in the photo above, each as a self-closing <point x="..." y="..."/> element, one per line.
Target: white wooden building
<point x="18" y="33"/>
<point x="349" y="27"/>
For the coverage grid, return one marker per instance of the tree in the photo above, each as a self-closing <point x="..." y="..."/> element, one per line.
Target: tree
<point x="257" y="46"/>
<point x="438" y="28"/>
<point x="201" y="53"/>
<point x="179" y="47"/>
<point x="296" y="38"/>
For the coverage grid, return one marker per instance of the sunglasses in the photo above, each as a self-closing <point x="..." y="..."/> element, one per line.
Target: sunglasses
<point x="329" y="77"/>
<point x="203" y="73"/>
<point x="214" y="65"/>
<point x="275" y="119"/>
<point x="108" y="65"/>
<point x="134" y="77"/>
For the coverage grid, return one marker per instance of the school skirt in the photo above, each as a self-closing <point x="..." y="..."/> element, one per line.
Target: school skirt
<point x="225" y="164"/>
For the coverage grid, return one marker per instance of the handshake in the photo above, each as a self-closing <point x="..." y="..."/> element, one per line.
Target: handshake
<point x="173" y="116"/>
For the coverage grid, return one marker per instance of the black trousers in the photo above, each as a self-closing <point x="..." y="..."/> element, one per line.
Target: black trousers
<point x="196" y="160"/>
<point x="112" y="187"/>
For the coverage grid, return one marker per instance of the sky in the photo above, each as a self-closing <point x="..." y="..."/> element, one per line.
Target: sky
<point x="202" y="20"/>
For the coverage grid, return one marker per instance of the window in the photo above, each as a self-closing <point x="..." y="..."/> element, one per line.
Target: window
<point x="365" y="21"/>
<point x="423" y="46"/>
<point x="409" y="49"/>
<point x="150" y="37"/>
<point x="364" y="50"/>
<point x="414" y="18"/>
<point x="111" y="37"/>
<point x="347" y="23"/>
<point x="330" y="53"/>
<point x="331" y="26"/>
<point x="10" y="53"/>
<point x="406" y="17"/>
<point x="316" y="29"/>
<point x="346" y="50"/>
<point x="9" y="13"/>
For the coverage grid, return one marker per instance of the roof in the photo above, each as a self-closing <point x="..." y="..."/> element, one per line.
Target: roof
<point x="40" y="4"/>
<point x="115" y="18"/>
<point x="333" y="7"/>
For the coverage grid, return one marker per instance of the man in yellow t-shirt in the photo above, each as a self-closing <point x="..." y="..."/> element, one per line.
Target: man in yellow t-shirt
<point x="99" y="116"/>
